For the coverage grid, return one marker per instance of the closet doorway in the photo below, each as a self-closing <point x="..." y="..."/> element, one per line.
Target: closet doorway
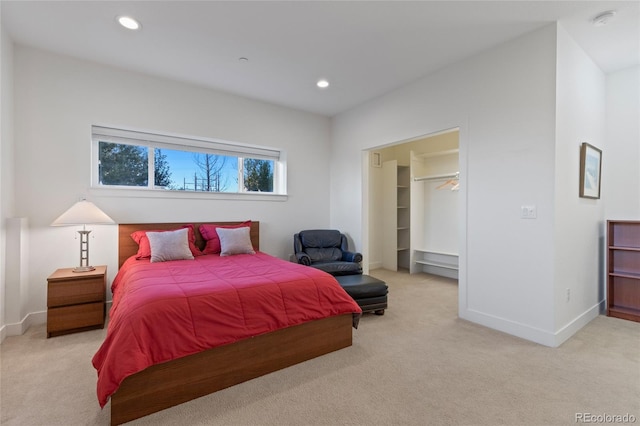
<point x="413" y="205"/>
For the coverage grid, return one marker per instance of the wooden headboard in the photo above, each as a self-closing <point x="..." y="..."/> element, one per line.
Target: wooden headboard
<point x="127" y="247"/>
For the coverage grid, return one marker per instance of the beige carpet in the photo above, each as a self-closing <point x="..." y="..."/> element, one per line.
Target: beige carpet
<point x="416" y="365"/>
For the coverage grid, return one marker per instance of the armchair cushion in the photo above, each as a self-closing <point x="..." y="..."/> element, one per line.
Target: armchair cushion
<point x="338" y="267"/>
<point x="324" y="254"/>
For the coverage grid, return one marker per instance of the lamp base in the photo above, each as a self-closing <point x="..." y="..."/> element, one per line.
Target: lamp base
<point x="84" y="269"/>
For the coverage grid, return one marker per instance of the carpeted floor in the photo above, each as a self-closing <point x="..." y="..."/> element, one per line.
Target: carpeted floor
<point x="416" y="365"/>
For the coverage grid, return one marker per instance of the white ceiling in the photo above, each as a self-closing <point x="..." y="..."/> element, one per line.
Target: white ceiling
<point x="364" y="48"/>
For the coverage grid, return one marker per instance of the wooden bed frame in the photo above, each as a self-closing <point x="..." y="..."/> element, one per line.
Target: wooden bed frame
<point x="165" y="385"/>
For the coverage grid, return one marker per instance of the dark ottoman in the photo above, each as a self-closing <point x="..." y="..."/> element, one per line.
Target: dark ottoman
<point x="368" y="292"/>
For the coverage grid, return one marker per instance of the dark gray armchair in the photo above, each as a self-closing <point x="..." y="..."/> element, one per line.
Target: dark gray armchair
<point x="328" y="250"/>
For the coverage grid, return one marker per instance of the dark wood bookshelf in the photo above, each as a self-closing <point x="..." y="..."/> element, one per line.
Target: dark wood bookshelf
<point x="623" y="269"/>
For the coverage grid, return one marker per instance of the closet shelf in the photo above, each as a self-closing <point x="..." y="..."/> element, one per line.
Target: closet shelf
<point x="446" y="262"/>
<point x="438" y="153"/>
<point x="438" y="264"/>
<point x="443" y="253"/>
<point x="396" y="215"/>
<point x="455" y="175"/>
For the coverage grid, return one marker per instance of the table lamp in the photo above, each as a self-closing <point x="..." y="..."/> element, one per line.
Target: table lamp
<point x="83" y="213"/>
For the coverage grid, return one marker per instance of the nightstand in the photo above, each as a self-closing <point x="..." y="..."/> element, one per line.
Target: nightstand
<point x="75" y="300"/>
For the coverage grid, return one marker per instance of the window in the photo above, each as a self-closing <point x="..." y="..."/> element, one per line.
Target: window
<point x="132" y="160"/>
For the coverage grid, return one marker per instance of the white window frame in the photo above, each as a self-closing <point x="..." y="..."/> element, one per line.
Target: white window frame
<point x="200" y="145"/>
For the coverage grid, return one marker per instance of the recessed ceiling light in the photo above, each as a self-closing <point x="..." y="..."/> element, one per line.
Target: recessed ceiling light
<point x="243" y="59"/>
<point x="323" y="84"/>
<point x="128" y="22"/>
<point x="603" y="18"/>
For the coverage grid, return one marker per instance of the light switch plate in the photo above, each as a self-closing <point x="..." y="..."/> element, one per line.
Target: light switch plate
<point x="528" y="212"/>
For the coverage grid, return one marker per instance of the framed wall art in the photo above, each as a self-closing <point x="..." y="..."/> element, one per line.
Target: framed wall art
<point x="590" y="168"/>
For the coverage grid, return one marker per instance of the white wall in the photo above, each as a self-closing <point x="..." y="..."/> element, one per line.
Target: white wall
<point x="620" y="171"/>
<point x="6" y="163"/>
<point x="580" y="117"/>
<point x="58" y="98"/>
<point x="16" y="273"/>
<point x="504" y="103"/>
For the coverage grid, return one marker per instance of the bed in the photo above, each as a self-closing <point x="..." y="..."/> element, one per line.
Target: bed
<point x="174" y="381"/>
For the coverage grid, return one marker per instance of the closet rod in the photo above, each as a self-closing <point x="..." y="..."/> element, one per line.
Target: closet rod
<point x="455" y="175"/>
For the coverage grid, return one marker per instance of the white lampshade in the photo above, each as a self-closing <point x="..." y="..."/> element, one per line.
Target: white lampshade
<point x="83" y="213"/>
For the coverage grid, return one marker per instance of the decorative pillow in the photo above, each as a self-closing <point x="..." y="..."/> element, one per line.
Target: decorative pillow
<point x="144" y="250"/>
<point x="213" y="242"/>
<point x="170" y="245"/>
<point x="235" y="241"/>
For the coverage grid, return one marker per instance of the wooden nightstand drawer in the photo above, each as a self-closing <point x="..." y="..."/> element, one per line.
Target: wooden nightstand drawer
<point x="71" y="318"/>
<point x="77" y="291"/>
<point x="75" y="301"/>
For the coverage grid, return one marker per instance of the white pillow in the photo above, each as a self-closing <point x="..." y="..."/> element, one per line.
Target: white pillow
<point x="235" y="241"/>
<point x="169" y="245"/>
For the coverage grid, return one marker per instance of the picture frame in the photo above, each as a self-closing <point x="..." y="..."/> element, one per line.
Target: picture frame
<point x="590" y="171"/>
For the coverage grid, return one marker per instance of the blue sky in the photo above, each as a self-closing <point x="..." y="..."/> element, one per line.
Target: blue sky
<point x="183" y="166"/>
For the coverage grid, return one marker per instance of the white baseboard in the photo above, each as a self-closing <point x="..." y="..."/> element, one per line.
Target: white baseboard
<point x="570" y="329"/>
<point x="19" y="328"/>
<point x="510" y="327"/>
<point x="533" y="334"/>
<point x="375" y="265"/>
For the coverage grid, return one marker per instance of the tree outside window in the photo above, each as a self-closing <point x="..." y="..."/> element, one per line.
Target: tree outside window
<point x="258" y="175"/>
<point x="123" y="165"/>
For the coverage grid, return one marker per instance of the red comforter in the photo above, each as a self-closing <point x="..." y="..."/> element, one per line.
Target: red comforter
<point x="163" y="311"/>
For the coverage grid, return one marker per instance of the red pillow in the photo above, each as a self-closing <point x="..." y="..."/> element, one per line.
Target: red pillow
<point x="144" y="248"/>
<point x="211" y="236"/>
